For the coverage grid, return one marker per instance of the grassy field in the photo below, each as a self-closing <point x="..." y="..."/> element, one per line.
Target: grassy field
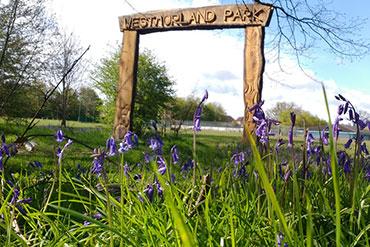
<point x="236" y="196"/>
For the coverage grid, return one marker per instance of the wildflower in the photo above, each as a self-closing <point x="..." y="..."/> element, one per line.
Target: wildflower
<point x="130" y="140"/>
<point x="309" y="141"/>
<point x="61" y="151"/>
<point x="126" y="169"/>
<point x="146" y="158"/>
<point x="156" y="144"/>
<point x="159" y="188"/>
<point x="187" y="166"/>
<point x="59" y="136"/>
<point x="363" y="148"/>
<point x="1" y="163"/>
<point x="348" y="143"/>
<point x="98" y="162"/>
<point x="238" y="158"/>
<point x="14" y="199"/>
<point x="35" y="164"/>
<point x="325" y="136"/>
<point x="198" y="113"/>
<point x="347" y="167"/>
<point x="367" y="174"/>
<point x="161" y="165"/>
<point x="173" y="178"/>
<point x="174" y="154"/>
<point x="278" y="144"/>
<point x="290" y="134"/>
<point x="149" y="191"/>
<point x="111" y="147"/>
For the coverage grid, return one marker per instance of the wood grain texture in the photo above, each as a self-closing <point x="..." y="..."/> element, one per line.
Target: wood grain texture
<point x="254" y="64"/>
<point x="126" y="84"/>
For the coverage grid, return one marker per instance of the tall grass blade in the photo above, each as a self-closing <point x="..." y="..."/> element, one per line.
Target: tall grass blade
<point x="333" y="163"/>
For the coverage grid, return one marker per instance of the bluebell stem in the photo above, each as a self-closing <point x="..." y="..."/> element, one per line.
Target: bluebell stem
<point x="111" y="147"/>
<point x="198" y="113"/>
<point x="59" y="136"/>
<point x="174" y="154"/>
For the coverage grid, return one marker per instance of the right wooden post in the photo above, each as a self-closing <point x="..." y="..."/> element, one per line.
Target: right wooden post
<point x="254" y="65"/>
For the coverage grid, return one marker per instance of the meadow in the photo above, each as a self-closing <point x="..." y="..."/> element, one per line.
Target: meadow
<point x="77" y="186"/>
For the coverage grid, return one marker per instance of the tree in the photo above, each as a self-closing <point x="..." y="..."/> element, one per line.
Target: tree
<point x="153" y="89"/>
<point x="69" y="49"/>
<point x="281" y="111"/>
<point x="89" y="102"/>
<point x="26" y="45"/>
<point x="300" y="26"/>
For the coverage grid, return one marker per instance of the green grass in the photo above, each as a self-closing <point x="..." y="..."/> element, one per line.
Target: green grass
<point x="238" y="210"/>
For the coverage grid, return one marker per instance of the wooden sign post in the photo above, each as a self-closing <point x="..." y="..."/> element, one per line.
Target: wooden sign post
<point x="252" y="17"/>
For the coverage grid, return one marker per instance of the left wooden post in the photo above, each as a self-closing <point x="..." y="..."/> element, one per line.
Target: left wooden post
<point x="126" y="87"/>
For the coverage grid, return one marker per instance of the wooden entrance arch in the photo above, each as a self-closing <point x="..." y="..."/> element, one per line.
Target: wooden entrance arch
<point x="252" y="17"/>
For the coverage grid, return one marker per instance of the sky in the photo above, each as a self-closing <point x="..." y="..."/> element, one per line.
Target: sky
<point x="213" y="60"/>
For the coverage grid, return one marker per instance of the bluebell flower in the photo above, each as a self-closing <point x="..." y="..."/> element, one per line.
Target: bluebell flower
<point x="14" y="199"/>
<point x="130" y="140"/>
<point x="126" y="169"/>
<point x="309" y="140"/>
<point x="364" y="148"/>
<point x="173" y="178"/>
<point x="174" y="154"/>
<point x="149" y="191"/>
<point x="278" y="144"/>
<point x="59" y="136"/>
<point x="35" y="164"/>
<point x="325" y="136"/>
<point x="161" y="165"/>
<point x="111" y="147"/>
<point x="198" y="113"/>
<point x="1" y="163"/>
<point x="156" y="144"/>
<point x="98" y="162"/>
<point x="348" y="143"/>
<point x="188" y="165"/>
<point x="238" y="158"/>
<point x="292" y="124"/>
<point x="159" y="188"/>
<point x="347" y="167"/>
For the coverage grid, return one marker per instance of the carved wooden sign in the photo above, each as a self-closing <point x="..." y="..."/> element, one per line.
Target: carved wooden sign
<point x="253" y="17"/>
<point x="226" y="16"/>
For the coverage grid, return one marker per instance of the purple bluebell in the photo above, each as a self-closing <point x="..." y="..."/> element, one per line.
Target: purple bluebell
<point x="98" y="162"/>
<point x="14" y="199"/>
<point x="347" y="166"/>
<point x="292" y="124"/>
<point x="161" y="165"/>
<point x="126" y="169"/>
<point x="1" y="163"/>
<point x="97" y="216"/>
<point x="159" y="188"/>
<point x="156" y="144"/>
<point x="173" y="178"/>
<point x="278" y="144"/>
<point x="325" y="136"/>
<point x="36" y="164"/>
<point x="130" y="140"/>
<point x="341" y="157"/>
<point x="238" y="158"/>
<point x="364" y="148"/>
<point x="188" y="165"/>
<point x="111" y="147"/>
<point x="309" y="140"/>
<point x="174" y="154"/>
<point x="367" y="174"/>
<point x="340" y="109"/>
<point x="198" y="113"/>
<point x="348" y="143"/>
<point x="25" y="200"/>
<point x="59" y="136"/>
<point x="361" y="124"/>
<point x="137" y="177"/>
<point x="149" y="192"/>
<point x="279" y="239"/>
<point x="146" y="158"/>
<point x="336" y="128"/>
<point x="368" y="125"/>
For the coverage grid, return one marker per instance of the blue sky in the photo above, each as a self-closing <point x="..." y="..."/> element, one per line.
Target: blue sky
<point x="213" y="60"/>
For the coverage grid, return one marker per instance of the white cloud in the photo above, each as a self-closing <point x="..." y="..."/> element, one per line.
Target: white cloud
<point x="195" y="58"/>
